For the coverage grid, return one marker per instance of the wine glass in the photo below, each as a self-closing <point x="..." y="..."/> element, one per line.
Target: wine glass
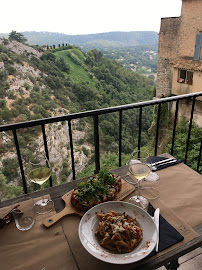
<point x="139" y="166"/>
<point x="39" y="173"/>
<point x="150" y="187"/>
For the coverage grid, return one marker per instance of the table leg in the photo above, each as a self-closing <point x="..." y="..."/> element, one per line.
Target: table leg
<point x="173" y="265"/>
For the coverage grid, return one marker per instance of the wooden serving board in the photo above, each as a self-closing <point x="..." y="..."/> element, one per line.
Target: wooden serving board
<point x="126" y="189"/>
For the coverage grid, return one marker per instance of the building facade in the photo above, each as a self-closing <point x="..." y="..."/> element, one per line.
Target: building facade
<point x="180" y="57"/>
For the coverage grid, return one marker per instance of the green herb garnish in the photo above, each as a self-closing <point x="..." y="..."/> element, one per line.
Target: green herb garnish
<point x="95" y="187"/>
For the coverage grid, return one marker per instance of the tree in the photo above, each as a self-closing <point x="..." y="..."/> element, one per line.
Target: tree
<point x="17" y="36"/>
<point x="48" y="56"/>
<point x="60" y="63"/>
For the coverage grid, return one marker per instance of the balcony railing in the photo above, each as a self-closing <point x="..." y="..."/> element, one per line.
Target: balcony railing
<point x="95" y="115"/>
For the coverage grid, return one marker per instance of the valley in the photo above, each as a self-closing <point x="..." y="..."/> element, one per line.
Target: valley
<point x="37" y="84"/>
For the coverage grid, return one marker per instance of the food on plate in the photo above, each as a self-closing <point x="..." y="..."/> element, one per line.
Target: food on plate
<point x="99" y="188"/>
<point x="118" y="233"/>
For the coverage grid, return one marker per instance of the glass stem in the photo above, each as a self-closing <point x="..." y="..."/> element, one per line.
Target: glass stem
<point x="43" y="198"/>
<point x="138" y="187"/>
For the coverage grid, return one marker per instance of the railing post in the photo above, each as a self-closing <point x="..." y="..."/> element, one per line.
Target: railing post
<point x="157" y="128"/>
<point x="140" y="129"/>
<point x="174" y="128"/>
<point x="72" y="149"/>
<point x="46" y="150"/>
<point x="96" y="143"/>
<point x="189" y="132"/>
<point x="20" y="161"/>
<point x="199" y="158"/>
<point x="120" y="137"/>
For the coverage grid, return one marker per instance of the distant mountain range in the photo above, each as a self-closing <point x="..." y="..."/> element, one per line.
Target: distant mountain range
<point x="109" y="39"/>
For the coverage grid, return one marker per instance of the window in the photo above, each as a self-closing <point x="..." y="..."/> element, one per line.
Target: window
<point x="185" y="76"/>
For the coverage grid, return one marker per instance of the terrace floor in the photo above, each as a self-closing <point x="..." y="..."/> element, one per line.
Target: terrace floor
<point x="190" y="261"/>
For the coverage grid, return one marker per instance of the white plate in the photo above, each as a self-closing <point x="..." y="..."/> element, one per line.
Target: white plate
<point x="89" y="224"/>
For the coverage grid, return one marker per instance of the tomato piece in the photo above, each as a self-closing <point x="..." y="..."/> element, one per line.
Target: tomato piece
<point x="74" y="200"/>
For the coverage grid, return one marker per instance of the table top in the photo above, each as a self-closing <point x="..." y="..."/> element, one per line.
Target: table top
<point x="154" y="262"/>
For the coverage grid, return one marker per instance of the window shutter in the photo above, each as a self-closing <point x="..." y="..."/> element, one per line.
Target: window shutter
<point x="197" y="47"/>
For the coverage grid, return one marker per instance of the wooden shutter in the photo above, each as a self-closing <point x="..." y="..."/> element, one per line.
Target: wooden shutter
<point x="197" y="47"/>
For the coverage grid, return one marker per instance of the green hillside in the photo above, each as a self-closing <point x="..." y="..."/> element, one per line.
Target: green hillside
<point x="130" y="46"/>
<point x="73" y="81"/>
<point x="37" y="84"/>
<point x="89" y="80"/>
<point x="79" y="71"/>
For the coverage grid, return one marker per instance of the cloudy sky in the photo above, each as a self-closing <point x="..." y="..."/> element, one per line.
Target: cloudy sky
<point x="85" y="16"/>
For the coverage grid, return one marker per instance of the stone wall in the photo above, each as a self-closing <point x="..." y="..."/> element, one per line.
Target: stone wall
<point x="184" y="111"/>
<point x="177" y="35"/>
<point x="168" y="49"/>
<point x="177" y="38"/>
<point x="168" y="37"/>
<point x="191" y="24"/>
<point x="163" y="82"/>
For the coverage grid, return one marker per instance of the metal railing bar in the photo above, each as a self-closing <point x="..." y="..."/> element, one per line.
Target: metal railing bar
<point x="199" y="158"/>
<point x="95" y="112"/>
<point x="174" y="126"/>
<point x="96" y="143"/>
<point x="157" y="129"/>
<point x="120" y="137"/>
<point x="189" y="132"/>
<point x="46" y="150"/>
<point x="72" y="150"/>
<point x="140" y="128"/>
<point x="20" y="161"/>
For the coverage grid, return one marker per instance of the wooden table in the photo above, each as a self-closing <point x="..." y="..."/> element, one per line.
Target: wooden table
<point x="169" y="259"/>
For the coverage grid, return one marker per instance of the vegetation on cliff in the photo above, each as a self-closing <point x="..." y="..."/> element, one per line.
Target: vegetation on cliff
<point x="62" y="81"/>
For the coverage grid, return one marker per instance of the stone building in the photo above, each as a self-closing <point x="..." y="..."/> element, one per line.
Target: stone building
<point x="180" y="57"/>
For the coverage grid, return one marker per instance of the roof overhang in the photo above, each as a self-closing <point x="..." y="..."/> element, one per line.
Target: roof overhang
<point x="187" y="64"/>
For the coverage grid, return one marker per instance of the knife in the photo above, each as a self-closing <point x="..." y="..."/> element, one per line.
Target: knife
<point x="156" y="221"/>
<point x="162" y="165"/>
<point x="163" y="161"/>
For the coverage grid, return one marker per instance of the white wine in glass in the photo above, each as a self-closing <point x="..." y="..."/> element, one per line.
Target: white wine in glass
<point x="138" y="169"/>
<point x="39" y="173"/>
<point x="139" y="166"/>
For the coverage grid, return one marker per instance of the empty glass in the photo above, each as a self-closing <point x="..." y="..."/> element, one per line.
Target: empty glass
<point x="23" y="213"/>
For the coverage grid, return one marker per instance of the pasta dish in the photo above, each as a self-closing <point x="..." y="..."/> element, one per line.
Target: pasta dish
<point x="118" y="233"/>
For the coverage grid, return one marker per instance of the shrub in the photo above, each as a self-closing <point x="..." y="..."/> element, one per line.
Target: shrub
<point x="60" y="63"/>
<point x="10" y="168"/>
<point x="27" y="86"/>
<point x="4" y="57"/>
<point x="80" y="141"/>
<point x="85" y="151"/>
<point x="48" y="56"/>
<point x="11" y="70"/>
